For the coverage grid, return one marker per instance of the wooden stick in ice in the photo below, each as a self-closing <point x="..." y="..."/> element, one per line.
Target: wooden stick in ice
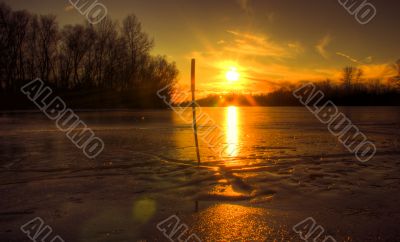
<point x="194" y="109"/>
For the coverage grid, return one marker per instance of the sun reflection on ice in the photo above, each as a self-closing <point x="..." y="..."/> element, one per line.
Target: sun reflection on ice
<point x="232" y="131"/>
<point x="228" y="222"/>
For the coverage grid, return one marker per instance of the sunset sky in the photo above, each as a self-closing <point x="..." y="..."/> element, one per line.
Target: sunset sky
<point x="267" y="43"/>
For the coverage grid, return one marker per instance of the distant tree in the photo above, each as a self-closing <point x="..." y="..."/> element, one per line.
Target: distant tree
<point x="397" y="77"/>
<point x="13" y="29"/>
<point x="48" y="39"/>
<point x="106" y="35"/>
<point x="359" y="76"/>
<point x="352" y="76"/>
<point x="88" y="62"/>
<point x="348" y="75"/>
<point x="32" y="48"/>
<point x="138" y="45"/>
<point x="20" y="22"/>
<point x="75" y="45"/>
<point x="5" y="42"/>
<point x="326" y="85"/>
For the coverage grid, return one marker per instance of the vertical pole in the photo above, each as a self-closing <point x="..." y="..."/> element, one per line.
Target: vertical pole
<point x="194" y="109"/>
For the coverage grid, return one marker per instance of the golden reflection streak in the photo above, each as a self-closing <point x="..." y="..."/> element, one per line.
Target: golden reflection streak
<point x="232" y="131"/>
<point x="226" y="222"/>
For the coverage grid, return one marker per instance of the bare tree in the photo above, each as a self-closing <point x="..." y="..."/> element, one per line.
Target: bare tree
<point x="106" y="33"/>
<point x="5" y="42"/>
<point x="351" y="76"/>
<point x="397" y="78"/>
<point x="32" y="48"/>
<point x="75" y="46"/>
<point x="359" y="76"/>
<point x="48" y="38"/>
<point x="13" y="30"/>
<point x="138" y="44"/>
<point x="104" y="56"/>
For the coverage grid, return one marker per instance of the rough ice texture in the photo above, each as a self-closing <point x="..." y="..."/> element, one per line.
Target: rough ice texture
<point x="285" y="166"/>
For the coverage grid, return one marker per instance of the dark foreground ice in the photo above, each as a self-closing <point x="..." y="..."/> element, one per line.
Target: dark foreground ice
<point x="284" y="166"/>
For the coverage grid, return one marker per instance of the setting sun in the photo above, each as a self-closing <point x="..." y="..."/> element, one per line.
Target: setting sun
<point x="232" y="75"/>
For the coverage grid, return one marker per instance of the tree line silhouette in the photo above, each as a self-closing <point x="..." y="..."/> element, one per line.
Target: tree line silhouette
<point x="108" y="63"/>
<point x="353" y="89"/>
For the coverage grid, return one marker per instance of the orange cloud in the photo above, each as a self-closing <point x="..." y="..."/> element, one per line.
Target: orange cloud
<point x="265" y="65"/>
<point x="322" y="45"/>
<point x="69" y="8"/>
<point x="378" y="71"/>
<point x="260" y="45"/>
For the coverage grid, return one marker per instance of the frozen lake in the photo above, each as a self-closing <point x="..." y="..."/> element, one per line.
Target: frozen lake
<point x="283" y="166"/>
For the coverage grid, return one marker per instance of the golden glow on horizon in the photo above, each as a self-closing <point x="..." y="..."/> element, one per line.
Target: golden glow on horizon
<point x="232" y="75"/>
<point x="232" y="131"/>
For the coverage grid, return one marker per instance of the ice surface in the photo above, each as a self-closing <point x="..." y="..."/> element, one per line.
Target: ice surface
<point x="284" y="167"/>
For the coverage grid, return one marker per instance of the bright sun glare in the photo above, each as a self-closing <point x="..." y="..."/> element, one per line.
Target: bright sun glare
<point x="232" y="75"/>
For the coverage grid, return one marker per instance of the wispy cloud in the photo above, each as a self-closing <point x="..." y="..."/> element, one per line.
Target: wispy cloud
<point x="259" y="45"/>
<point x="245" y="5"/>
<point x="257" y="75"/>
<point x="365" y="61"/>
<point x="354" y="60"/>
<point x="296" y="47"/>
<point x="68" y="8"/>
<point x="265" y="64"/>
<point x="322" y="45"/>
<point x="368" y="59"/>
<point x="282" y="73"/>
<point x="262" y="62"/>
